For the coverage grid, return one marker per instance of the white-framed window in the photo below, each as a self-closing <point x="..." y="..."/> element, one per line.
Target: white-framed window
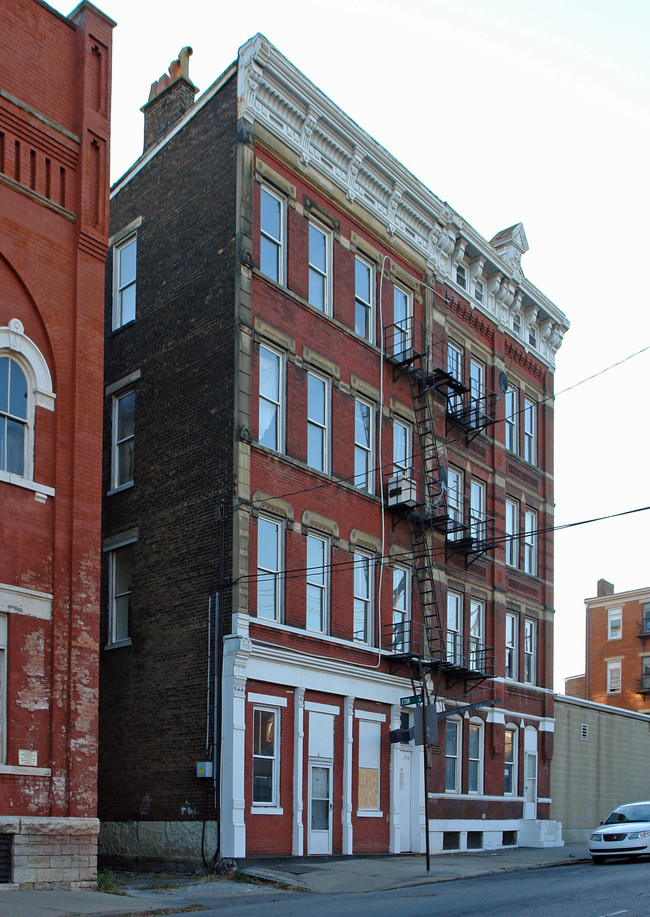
<point x="270" y="553"/>
<point x="530" y="542"/>
<point x="476" y="631"/>
<point x="363" y="592"/>
<point x="318" y="422"/>
<point x="16" y="409"/>
<point x="615" y="624"/>
<point x="318" y="561"/>
<point x="402" y="448"/>
<point x="510" y="761"/>
<point x="530" y="651"/>
<point x="120" y="561"/>
<point x="645" y="673"/>
<point x="530" y="431"/>
<point x="614" y="676"/>
<point x="477" y="514"/>
<point x="320" y="268"/>
<point x="532" y="336"/>
<point x="266" y="756"/>
<point x="123" y="439"/>
<point x="511" y="420"/>
<point x="272" y="234"/>
<point x="479" y="291"/>
<point x="477" y="390"/>
<point x="364" y="438"/>
<point x="124" y="281"/>
<point x="401" y="609"/>
<point x="512" y="644"/>
<point x="512" y="533"/>
<point x="3" y="689"/>
<point x="455" y="370"/>
<point x="369" y="766"/>
<point x="645" y="618"/>
<point x="364" y="299"/>
<point x="455" y="503"/>
<point x="461" y="276"/>
<point x="454" y="627"/>
<point x="516" y="324"/>
<point x="452" y="755"/>
<point x="403" y="319"/>
<point x="475" y="757"/>
<point x="271" y="398"/>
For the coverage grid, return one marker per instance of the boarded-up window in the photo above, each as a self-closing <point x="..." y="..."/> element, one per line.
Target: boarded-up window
<point x="369" y="757"/>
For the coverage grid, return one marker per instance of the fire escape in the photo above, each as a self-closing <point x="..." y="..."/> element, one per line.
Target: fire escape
<point x="427" y="646"/>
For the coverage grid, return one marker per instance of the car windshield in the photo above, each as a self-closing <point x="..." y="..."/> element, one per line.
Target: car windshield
<point x="628" y="814"/>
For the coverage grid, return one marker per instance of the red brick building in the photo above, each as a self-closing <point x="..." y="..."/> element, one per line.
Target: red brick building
<point x="329" y="486"/>
<point x="55" y="83"/>
<point x="617" y="670"/>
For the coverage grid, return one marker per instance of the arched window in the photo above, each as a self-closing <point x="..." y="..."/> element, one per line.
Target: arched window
<point x="14" y="417"/>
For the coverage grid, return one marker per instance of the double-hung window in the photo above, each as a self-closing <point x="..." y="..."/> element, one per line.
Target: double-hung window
<point x="123" y="439"/>
<point x="3" y="689"/>
<point x="645" y="618"/>
<point x="455" y="370"/>
<point x="271" y="399"/>
<point x="452" y="756"/>
<point x="401" y="609"/>
<point x="403" y="320"/>
<point x="530" y="651"/>
<point x="476" y="643"/>
<point x="477" y="392"/>
<point x="362" y="622"/>
<point x="461" y="276"/>
<point x="475" y="758"/>
<point x="269" y="569"/>
<point x="272" y="234"/>
<point x="455" y="503"/>
<point x="530" y="542"/>
<point x="530" y="431"/>
<point x="120" y="589"/>
<point x="14" y="414"/>
<point x="511" y="419"/>
<point x="614" y="676"/>
<point x="454" y="628"/>
<point x="363" y="445"/>
<point x="124" y="281"/>
<point x="510" y="762"/>
<point x="645" y="673"/>
<point x="320" y="272"/>
<point x="479" y="291"/>
<point x="614" y="623"/>
<point x="266" y="756"/>
<point x="318" y="422"/>
<point x="318" y="554"/>
<point x="402" y="440"/>
<point x="512" y="644"/>
<point x="478" y="518"/>
<point x="512" y="533"/>
<point x="364" y="299"/>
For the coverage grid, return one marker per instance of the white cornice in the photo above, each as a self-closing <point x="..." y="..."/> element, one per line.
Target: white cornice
<point x="275" y="95"/>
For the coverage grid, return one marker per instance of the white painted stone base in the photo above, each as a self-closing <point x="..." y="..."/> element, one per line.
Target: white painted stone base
<point x="52" y="852"/>
<point x="161" y="839"/>
<point x="530" y="833"/>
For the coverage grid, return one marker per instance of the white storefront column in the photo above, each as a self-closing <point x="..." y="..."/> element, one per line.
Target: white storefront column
<point x="236" y="651"/>
<point x="348" y="735"/>
<point x="298" y="841"/>
<point x="395" y="822"/>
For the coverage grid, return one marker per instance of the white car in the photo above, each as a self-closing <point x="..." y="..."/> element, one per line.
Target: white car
<point x="624" y="833"/>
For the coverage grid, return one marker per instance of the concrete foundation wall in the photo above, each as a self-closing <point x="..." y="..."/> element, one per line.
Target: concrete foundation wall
<point x="158" y="839"/>
<point x="53" y="852"/>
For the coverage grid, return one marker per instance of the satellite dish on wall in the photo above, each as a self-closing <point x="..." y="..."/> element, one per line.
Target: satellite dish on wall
<point x="503" y="382"/>
<point x="442" y="476"/>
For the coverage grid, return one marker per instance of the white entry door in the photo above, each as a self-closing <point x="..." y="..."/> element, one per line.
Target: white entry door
<point x="404" y="765"/>
<point x="530" y="790"/>
<point x="320" y="808"/>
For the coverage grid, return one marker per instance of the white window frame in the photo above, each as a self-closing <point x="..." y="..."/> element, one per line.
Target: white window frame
<point x="3" y="687"/>
<point x="475" y="737"/>
<point x="320" y="274"/>
<point x="274" y="802"/>
<point x="277" y="404"/>
<point x="130" y="284"/>
<point x="402" y="319"/>
<point x="363" y="604"/>
<point x="370" y="759"/>
<point x="364" y="452"/>
<point x="122" y="637"/>
<point x="530" y="651"/>
<point x="530" y="431"/>
<point x="26" y="423"/>
<point x="401" y="609"/>
<point x="510" y="761"/>
<point x="120" y="442"/>
<point x="402" y="454"/>
<point x="455" y="368"/>
<point x="278" y="243"/>
<point x="614" y="676"/>
<point x="511" y="668"/>
<point x="530" y="542"/>
<point x="454" y="627"/>
<point x="477" y="510"/>
<point x="317" y="426"/>
<point x="511" y="420"/>
<point x="476" y="634"/>
<point x="614" y="629"/>
<point x="272" y="572"/>
<point x="461" y="275"/>
<point x="360" y="303"/>
<point x="455" y="502"/>
<point x="318" y="582"/>
<point x="512" y="532"/>
<point x="479" y="291"/>
<point x="453" y="756"/>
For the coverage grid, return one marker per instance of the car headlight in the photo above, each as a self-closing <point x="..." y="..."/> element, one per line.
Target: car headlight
<point x="595" y="837"/>
<point x="639" y="834"/>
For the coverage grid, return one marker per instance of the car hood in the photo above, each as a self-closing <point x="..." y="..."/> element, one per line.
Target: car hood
<point x="622" y="827"/>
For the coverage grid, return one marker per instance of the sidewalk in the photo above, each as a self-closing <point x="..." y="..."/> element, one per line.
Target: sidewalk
<point x="150" y="893"/>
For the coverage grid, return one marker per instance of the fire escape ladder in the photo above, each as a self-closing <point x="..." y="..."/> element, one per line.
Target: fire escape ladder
<point x="425" y="429"/>
<point x="432" y="645"/>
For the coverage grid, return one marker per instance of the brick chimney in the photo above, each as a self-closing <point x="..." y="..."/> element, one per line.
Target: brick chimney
<point x="169" y="99"/>
<point x="604" y="588"/>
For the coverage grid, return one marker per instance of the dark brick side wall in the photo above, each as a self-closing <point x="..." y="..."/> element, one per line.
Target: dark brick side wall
<point x="153" y="717"/>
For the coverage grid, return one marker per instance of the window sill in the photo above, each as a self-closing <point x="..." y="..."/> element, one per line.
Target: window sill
<point x="41" y="492"/>
<point x="122" y="327"/>
<point x="117" y="490"/>
<point x="118" y="644"/>
<point x="267" y="810"/>
<point x="365" y="813"/>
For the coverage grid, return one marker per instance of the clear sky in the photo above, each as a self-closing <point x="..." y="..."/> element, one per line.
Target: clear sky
<point x="511" y="110"/>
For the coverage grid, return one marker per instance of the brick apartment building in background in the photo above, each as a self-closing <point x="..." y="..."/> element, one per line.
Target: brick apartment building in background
<point x="617" y="663"/>
<point x="55" y="89"/>
<point x="318" y="492"/>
